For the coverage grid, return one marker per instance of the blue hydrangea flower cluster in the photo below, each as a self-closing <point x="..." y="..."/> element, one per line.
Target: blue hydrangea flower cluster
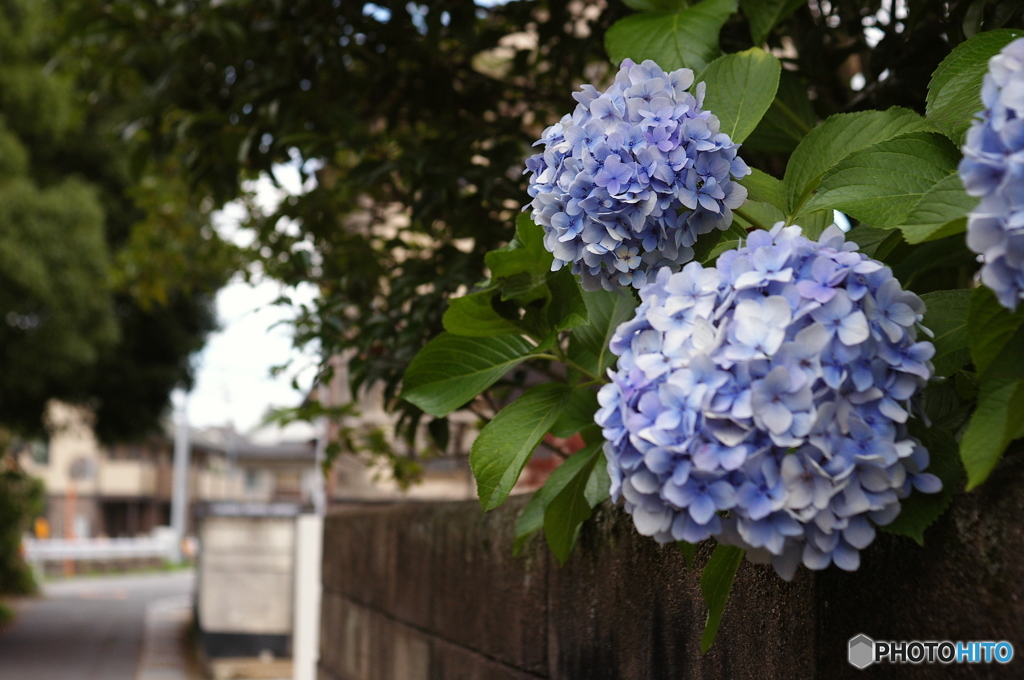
<point x="764" y="401"/>
<point x="993" y="169"/>
<point x="627" y="182"/>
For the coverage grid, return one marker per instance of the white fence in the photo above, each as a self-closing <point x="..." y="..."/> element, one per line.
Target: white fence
<point x="160" y="546"/>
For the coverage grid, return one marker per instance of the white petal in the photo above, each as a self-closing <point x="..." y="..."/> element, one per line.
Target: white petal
<point x="854" y="329"/>
<point x="650" y="523"/>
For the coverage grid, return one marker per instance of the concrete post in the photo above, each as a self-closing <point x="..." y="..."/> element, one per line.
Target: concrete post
<point x="309" y="531"/>
<point x="179" y="491"/>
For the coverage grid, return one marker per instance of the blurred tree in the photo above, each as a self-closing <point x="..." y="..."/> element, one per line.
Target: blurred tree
<point x="412" y="120"/>
<point x="107" y="270"/>
<point x="21" y="501"/>
<point x="55" y="307"/>
<point x="54" y="292"/>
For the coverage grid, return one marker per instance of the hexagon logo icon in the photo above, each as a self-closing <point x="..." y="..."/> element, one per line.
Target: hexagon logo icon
<point x="862" y="651"/>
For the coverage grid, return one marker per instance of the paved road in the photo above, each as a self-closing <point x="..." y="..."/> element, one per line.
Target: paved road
<point x="85" y="629"/>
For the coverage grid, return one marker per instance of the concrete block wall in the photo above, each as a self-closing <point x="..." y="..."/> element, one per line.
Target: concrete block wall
<point x="432" y="591"/>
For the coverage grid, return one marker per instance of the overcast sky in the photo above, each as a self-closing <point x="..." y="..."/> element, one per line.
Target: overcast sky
<point x="233" y="382"/>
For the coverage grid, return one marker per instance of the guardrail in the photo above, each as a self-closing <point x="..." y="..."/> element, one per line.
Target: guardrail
<point x="38" y="551"/>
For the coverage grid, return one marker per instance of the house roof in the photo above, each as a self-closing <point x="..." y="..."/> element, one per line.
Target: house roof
<point x="226" y="441"/>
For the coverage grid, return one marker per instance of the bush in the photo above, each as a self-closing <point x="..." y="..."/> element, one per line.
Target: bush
<point x="21" y="500"/>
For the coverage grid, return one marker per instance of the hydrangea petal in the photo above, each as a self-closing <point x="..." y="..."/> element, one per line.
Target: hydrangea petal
<point x="787" y="412"/>
<point x="627" y="181"/>
<point x="987" y="170"/>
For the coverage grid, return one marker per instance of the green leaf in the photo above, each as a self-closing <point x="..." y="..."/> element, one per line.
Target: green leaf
<point x="577" y="414"/>
<point x="882" y="183"/>
<point x="504" y="445"/>
<point x="569" y="509"/>
<point x="532" y="517"/>
<point x="946" y="316"/>
<point x="838" y="137"/>
<point x="941" y="212"/>
<point x="523" y="254"/>
<point x="990" y="326"/>
<point x="707" y="242"/>
<point x="439" y="432"/>
<point x="524" y="288"/>
<point x="787" y="121"/>
<point x="966" y="385"/>
<point x="814" y="222"/>
<point x="868" y="238"/>
<point x="687" y="38"/>
<point x="473" y="316"/>
<point x="566" y="309"/>
<point x="891" y="245"/>
<point x="655" y="5"/>
<point x="740" y="88"/>
<point x="999" y="417"/>
<point x="599" y="484"/>
<point x="588" y="347"/>
<point x="535" y="316"/>
<point x="915" y="261"/>
<point x="592" y="434"/>
<point x="954" y="93"/>
<point x="731" y="239"/>
<point x="764" y="188"/>
<point x="920" y="510"/>
<point x="689" y="551"/>
<point x="756" y="215"/>
<point x="942" y="405"/>
<point x="715" y="585"/>
<point x="764" y="15"/>
<point x="452" y="369"/>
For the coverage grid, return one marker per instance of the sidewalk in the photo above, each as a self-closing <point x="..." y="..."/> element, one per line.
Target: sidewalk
<point x="163" y="647"/>
<point x="93" y="628"/>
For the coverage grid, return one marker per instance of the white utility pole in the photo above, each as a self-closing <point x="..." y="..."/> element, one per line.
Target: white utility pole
<point x="179" y="491"/>
<point x="309" y="538"/>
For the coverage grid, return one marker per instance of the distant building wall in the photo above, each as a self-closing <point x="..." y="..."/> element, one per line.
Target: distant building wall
<point x="126" y="478"/>
<point x="71" y="439"/>
<point x="432" y="591"/>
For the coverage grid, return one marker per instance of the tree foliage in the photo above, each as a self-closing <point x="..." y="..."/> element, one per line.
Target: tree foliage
<point x="21" y="500"/>
<point x="107" y="270"/>
<point x="417" y="118"/>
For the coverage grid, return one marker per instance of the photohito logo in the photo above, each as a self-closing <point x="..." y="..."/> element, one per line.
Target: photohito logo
<point x="863" y="651"/>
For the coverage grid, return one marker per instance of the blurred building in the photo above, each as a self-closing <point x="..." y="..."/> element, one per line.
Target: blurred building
<point x="357" y="478"/>
<point x="125" y="489"/>
<point x="242" y="469"/>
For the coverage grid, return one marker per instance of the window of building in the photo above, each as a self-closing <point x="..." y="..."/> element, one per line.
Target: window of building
<point x="40" y="451"/>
